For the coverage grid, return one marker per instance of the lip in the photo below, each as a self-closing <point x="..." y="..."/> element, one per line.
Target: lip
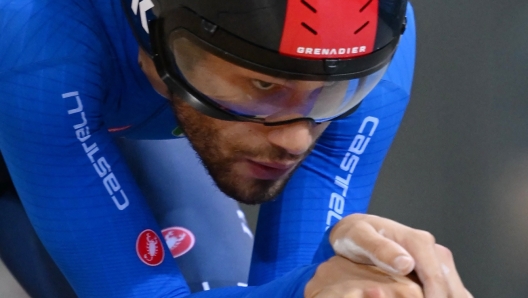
<point x="268" y="170"/>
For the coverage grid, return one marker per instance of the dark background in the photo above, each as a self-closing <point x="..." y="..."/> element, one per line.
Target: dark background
<point x="459" y="164"/>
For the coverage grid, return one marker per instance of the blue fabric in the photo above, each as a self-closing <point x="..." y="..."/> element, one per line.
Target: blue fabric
<point x="325" y="250"/>
<point x="291" y="285"/>
<point x="327" y="186"/>
<point x="69" y="84"/>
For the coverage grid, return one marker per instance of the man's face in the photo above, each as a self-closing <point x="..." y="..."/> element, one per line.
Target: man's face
<point x="249" y="162"/>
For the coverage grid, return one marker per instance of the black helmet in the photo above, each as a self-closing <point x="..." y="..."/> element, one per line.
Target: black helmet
<point x="305" y="59"/>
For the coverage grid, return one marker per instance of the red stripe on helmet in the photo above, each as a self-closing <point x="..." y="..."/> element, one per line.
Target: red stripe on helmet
<point x="329" y="28"/>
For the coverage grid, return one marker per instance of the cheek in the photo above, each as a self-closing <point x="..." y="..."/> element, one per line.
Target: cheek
<point x="241" y="132"/>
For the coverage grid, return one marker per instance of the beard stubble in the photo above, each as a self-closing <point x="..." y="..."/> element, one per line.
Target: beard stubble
<point x="218" y="154"/>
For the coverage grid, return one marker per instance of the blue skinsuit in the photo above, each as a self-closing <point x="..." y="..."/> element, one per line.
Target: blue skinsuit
<point x="70" y="84"/>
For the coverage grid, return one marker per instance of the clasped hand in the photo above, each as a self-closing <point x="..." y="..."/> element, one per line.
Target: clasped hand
<point x="378" y="257"/>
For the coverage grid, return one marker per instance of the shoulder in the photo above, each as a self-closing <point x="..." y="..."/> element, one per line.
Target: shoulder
<point x="401" y="69"/>
<point x="42" y="30"/>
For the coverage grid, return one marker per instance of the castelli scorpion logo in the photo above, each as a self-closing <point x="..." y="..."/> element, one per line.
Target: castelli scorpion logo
<point x="149" y="248"/>
<point x="179" y="240"/>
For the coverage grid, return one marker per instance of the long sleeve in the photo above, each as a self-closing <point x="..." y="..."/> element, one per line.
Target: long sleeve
<point x="72" y="181"/>
<point x="338" y="177"/>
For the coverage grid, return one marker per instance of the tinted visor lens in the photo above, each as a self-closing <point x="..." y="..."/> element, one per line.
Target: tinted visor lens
<point x="269" y="99"/>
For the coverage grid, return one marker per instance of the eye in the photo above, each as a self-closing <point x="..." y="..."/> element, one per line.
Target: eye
<point x="262" y="85"/>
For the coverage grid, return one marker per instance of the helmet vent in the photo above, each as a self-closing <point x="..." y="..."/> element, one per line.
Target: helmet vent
<point x="366" y="23"/>
<point x="321" y="35"/>
<point x="310" y="28"/>
<point x="365" y="6"/>
<point x="362" y="27"/>
<point x="313" y="8"/>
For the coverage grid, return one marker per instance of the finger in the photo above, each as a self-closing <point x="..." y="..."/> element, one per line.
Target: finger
<point x="418" y="244"/>
<point x="421" y="246"/>
<point x="409" y="289"/>
<point x="428" y="265"/>
<point x="454" y="282"/>
<point x="362" y="243"/>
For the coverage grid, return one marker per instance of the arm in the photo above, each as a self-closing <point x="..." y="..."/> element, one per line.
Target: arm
<point x="72" y="181"/>
<point x="334" y="180"/>
<point x="75" y="187"/>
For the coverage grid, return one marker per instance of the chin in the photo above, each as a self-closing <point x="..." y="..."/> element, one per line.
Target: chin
<point x="252" y="191"/>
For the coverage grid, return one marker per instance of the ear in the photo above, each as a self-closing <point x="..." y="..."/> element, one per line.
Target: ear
<point x="149" y="69"/>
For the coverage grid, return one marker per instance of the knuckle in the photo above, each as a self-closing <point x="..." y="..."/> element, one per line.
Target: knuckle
<point x="354" y="219"/>
<point x="374" y="292"/>
<point x="444" y="252"/>
<point x="356" y="216"/>
<point x="322" y="270"/>
<point x="349" y="229"/>
<point x="425" y="237"/>
<point x="350" y="223"/>
<point x="410" y="290"/>
<point x="437" y="277"/>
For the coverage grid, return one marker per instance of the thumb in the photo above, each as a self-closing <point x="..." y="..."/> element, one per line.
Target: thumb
<point x="367" y="246"/>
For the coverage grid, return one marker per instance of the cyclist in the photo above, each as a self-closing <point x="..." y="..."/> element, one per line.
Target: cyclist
<point x="253" y="86"/>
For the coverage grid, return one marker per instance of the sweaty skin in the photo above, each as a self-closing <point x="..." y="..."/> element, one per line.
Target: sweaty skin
<point x="249" y="162"/>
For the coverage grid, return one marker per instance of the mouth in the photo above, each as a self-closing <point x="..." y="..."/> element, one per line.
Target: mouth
<point x="269" y="170"/>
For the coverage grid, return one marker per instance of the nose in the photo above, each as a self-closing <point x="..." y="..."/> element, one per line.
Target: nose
<point x="296" y="138"/>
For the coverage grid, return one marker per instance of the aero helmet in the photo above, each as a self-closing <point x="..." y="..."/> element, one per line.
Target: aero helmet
<point x="269" y="61"/>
